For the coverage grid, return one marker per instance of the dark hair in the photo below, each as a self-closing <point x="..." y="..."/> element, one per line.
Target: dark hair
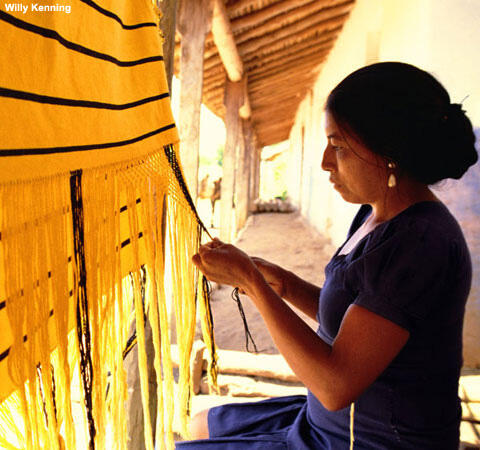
<point x="404" y="114"/>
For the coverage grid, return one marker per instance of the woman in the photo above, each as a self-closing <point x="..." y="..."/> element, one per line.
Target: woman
<point x="386" y="358"/>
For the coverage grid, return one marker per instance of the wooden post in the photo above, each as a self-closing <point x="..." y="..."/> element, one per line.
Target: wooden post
<point x="244" y="174"/>
<point x="194" y="19"/>
<point x="168" y="25"/>
<point x="241" y="180"/>
<point x="135" y="419"/>
<point x="233" y="100"/>
<point x="255" y="179"/>
<point x="252" y="151"/>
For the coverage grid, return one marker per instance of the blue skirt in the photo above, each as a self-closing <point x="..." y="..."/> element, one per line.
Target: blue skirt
<point x="278" y="424"/>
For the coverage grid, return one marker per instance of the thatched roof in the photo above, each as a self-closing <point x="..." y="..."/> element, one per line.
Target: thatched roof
<point x="282" y="44"/>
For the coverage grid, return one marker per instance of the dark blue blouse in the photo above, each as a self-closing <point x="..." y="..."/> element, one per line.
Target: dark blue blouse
<point x="415" y="271"/>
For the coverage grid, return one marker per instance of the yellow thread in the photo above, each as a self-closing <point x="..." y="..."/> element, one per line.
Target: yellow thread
<point x="40" y="286"/>
<point x="352" y="414"/>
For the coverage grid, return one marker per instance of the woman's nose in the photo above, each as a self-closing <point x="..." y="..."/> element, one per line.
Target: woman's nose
<point x="328" y="159"/>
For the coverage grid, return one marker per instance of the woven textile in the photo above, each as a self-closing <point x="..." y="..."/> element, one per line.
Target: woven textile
<point x="97" y="226"/>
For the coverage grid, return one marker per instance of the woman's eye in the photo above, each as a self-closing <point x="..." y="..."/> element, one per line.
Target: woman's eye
<point x="337" y="148"/>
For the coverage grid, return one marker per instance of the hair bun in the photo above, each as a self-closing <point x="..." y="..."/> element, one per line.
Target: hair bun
<point x="455" y="147"/>
<point x="453" y="110"/>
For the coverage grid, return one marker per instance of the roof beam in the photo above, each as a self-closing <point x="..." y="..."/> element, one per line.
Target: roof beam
<point x="271" y="47"/>
<point x="225" y="43"/>
<point x="309" y="55"/>
<point x="312" y="12"/>
<point x="288" y="71"/>
<point x="317" y="22"/>
<point x="282" y="13"/>
<point x="243" y="7"/>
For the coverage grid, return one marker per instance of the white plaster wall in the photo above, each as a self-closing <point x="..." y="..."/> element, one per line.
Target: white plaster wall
<point x="442" y="37"/>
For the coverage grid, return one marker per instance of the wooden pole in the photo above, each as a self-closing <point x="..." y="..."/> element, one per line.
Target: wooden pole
<point x="233" y="100"/>
<point x="256" y="158"/>
<point x="225" y="42"/>
<point x="250" y="153"/>
<point x="194" y="19"/>
<point x="168" y="25"/>
<point x="242" y="182"/>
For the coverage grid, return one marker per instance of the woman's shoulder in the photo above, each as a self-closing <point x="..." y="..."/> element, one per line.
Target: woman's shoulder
<point x="427" y="225"/>
<point x="429" y="220"/>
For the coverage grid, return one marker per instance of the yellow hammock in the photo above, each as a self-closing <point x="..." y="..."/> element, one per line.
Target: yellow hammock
<point x="95" y="219"/>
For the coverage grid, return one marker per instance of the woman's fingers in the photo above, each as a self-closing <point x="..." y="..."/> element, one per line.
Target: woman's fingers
<point x="223" y="263"/>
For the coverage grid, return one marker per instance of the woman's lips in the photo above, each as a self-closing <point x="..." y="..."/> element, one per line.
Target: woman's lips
<point x="335" y="183"/>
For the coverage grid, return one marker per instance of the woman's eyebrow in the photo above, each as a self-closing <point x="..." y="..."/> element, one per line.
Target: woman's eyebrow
<point x="335" y="136"/>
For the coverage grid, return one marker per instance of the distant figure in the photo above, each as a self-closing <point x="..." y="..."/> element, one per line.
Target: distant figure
<point x="210" y="189"/>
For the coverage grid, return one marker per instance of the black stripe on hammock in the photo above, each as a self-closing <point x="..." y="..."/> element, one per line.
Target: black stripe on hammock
<point x="81" y="148"/>
<point x="5" y="353"/>
<point x="52" y="34"/>
<point x="3" y="303"/>
<point x="122" y="209"/>
<point x="46" y="99"/>
<point x="124" y="243"/>
<point x="116" y="18"/>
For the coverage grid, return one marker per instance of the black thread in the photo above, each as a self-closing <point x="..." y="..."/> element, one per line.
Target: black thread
<point x="207" y="290"/>
<point x="172" y="160"/>
<point x="248" y="335"/>
<point x="132" y="341"/>
<point x="83" y="323"/>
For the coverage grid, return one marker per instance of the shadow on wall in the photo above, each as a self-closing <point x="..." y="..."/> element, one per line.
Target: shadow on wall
<point x="463" y="200"/>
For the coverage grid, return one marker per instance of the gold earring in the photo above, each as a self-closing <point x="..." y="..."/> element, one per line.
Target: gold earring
<point x="392" y="181"/>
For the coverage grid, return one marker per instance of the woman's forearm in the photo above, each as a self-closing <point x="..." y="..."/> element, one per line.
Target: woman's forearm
<point x="301" y="294"/>
<point x="305" y="352"/>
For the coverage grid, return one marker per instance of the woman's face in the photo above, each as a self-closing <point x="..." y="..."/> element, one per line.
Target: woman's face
<point x="359" y="175"/>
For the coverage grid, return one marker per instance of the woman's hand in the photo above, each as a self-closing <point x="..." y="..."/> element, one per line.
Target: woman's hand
<point x="226" y="264"/>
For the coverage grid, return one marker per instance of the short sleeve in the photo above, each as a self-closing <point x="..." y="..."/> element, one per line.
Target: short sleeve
<point x="403" y="277"/>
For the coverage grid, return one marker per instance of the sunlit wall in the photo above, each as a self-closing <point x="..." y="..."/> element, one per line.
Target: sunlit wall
<point x="442" y="37"/>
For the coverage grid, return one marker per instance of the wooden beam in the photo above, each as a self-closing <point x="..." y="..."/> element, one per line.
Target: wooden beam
<point x="168" y="22"/>
<point x="255" y="179"/>
<point x="233" y="101"/>
<point x="291" y="70"/>
<point x="308" y="13"/>
<point x="193" y="24"/>
<point x="307" y="27"/>
<point x="266" y="125"/>
<point x="316" y="23"/>
<point x="225" y="42"/>
<point x="242" y="177"/>
<point x="309" y="56"/>
<point x="239" y="7"/>
<point x="288" y="96"/>
<point x="280" y="12"/>
<point x="275" y="46"/>
<point x="306" y="47"/>
<point x="280" y="81"/>
<point x="276" y="129"/>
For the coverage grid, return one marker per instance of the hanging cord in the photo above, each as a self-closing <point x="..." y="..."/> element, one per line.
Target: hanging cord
<point x="207" y="291"/>
<point x="352" y="414"/>
<point x="248" y="335"/>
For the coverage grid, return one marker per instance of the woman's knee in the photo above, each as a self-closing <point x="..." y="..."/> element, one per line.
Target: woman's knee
<point x="199" y="425"/>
